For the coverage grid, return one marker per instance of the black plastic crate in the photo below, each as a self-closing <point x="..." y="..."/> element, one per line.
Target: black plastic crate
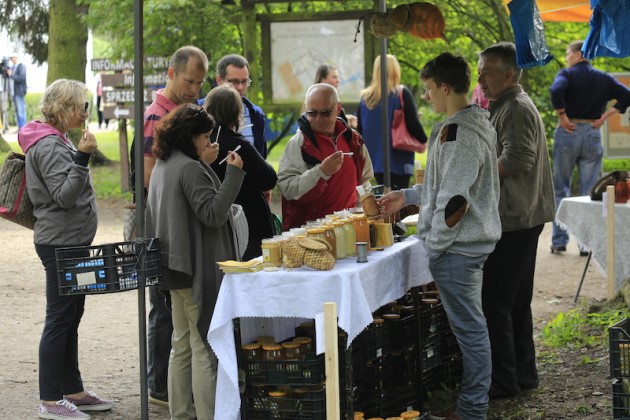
<point x="107" y="268"/>
<point x="621" y="399"/>
<point x="306" y="372"/>
<point x="296" y="404"/>
<point x="619" y="347"/>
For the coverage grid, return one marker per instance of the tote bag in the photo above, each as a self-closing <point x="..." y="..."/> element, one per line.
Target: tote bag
<point x="14" y="202"/>
<point x="401" y="137"/>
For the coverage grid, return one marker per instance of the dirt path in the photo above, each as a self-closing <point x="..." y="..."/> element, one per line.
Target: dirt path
<point x="109" y="329"/>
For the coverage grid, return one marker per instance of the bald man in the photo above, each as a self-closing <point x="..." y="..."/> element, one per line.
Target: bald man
<point x="323" y="163"/>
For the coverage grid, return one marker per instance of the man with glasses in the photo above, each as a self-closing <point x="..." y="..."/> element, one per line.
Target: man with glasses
<point x="322" y="163"/>
<point x="186" y="73"/>
<point x="234" y="69"/>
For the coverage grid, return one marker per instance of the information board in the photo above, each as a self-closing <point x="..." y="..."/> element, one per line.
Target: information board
<point x="616" y="130"/>
<point x="298" y="48"/>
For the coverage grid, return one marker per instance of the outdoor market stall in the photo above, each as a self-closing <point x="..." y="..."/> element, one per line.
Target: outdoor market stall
<point x="358" y="290"/>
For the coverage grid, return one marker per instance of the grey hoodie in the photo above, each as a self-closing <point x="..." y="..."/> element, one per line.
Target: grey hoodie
<point x="60" y="189"/>
<point x="460" y="195"/>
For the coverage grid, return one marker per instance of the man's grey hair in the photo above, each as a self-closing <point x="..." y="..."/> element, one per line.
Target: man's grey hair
<point x="327" y="89"/>
<point x="505" y="53"/>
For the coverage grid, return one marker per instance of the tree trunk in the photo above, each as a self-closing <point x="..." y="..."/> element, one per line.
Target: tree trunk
<point x="67" y="41"/>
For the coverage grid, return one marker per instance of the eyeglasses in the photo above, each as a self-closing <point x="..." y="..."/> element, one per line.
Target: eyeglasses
<point x="237" y="82"/>
<point x="325" y="113"/>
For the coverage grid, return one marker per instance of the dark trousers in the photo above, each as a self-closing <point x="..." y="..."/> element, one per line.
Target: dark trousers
<point x="59" y="373"/>
<point x="159" y="332"/>
<point x="508" y="283"/>
<point x="398" y="181"/>
<point x="99" y="113"/>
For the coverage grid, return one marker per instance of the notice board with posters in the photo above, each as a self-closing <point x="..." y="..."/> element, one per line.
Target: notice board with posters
<point x="295" y="49"/>
<point x="616" y="130"/>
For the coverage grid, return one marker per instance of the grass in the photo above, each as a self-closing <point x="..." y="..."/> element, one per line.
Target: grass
<point x="584" y="327"/>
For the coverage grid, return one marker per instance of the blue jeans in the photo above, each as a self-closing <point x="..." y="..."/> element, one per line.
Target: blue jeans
<point x="20" y="110"/>
<point x="459" y="281"/>
<point x="584" y="149"/>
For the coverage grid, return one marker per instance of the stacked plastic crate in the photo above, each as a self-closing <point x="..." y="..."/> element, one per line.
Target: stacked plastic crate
<point x="619" y="347"/>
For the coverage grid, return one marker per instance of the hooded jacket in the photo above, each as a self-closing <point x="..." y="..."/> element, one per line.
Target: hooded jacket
<point x="460" y="195"/>
<point x="59" y="185"/>
<point x="307" y="193"/>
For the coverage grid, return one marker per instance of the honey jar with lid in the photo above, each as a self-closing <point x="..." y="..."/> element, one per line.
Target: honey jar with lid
<point x="272" y="256"/>
<point x="410" y="415"/>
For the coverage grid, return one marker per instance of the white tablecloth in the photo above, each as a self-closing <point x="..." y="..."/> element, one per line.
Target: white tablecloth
<point x="585" y="220"/>
<point x="358" y="290"/>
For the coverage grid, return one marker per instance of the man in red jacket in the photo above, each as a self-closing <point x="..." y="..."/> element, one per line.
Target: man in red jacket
<point x="323" y="163"/>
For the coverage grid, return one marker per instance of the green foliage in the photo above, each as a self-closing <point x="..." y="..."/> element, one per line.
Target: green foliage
<point x="32" y="108"/>
<point x="578" y="328"/>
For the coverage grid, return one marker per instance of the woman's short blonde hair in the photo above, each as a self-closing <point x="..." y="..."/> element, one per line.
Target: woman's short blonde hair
<point x="63" y="99"/>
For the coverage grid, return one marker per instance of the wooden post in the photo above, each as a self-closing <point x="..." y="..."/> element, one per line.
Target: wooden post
<point x="332" y="361"/>
<point x="124" y="154"/>
<point x="610" y="240"/>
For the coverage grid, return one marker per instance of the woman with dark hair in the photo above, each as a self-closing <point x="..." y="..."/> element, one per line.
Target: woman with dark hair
<point x="60" y="187"/>
<point x="224" y="104"/>
<point x="328" y="74"/>
<point x="188" y="208"/>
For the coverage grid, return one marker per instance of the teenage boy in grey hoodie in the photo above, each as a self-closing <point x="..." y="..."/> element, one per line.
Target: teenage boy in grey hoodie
<point x="459" y="219"/>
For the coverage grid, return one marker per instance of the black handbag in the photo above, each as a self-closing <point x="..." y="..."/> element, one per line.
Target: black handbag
<point x="608" y="179"/>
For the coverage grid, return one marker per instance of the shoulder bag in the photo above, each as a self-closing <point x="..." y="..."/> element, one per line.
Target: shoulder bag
<point x="401" y="137"/>
<point x="14" y="202"/>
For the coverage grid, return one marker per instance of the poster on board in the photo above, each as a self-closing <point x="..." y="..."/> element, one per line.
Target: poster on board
<point x="616" y="130"/>
<point x="299" y="48"/>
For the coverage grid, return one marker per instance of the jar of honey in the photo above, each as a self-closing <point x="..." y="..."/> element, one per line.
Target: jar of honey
<point x="351" y="237"/>
<point x="272" y="256"/>
<point x="340" y="240"/>
<point x="361" y="229"/>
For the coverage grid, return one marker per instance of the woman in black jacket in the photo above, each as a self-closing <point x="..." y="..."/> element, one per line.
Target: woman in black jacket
<point x="224" y="104"/>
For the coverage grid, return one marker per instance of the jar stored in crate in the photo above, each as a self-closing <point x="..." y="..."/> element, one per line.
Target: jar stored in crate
<point x="410" y="415"/>
<point x="265" y="339"/>
<point x="292" y="356"/>
<point x="252" y="353"/>
<point x="394" y="418"/>
<point x="272" y="353"/>
<point x="359" y="415"/>
<point x="306" y="344"/>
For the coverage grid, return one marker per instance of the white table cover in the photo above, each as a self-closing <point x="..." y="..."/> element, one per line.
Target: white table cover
<point x="358" y="290"/>
<point x="584" y="219"/>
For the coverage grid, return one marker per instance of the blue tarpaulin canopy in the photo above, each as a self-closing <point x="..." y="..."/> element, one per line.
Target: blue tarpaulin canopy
<point x="610" y="29"/>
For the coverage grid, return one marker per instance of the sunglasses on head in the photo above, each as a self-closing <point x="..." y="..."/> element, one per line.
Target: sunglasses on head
<point x="323" y="112"/>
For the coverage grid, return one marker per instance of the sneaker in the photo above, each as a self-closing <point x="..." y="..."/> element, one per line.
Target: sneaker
<point x="158" y="401"/>
<point x="91" y="402"/>
<point x="63" y="409"/>
<point x="556" y="249"/>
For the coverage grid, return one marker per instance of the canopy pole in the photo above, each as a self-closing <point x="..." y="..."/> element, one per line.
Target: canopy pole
<point x="138" y="87"/>
<point x="385" y="131"/>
